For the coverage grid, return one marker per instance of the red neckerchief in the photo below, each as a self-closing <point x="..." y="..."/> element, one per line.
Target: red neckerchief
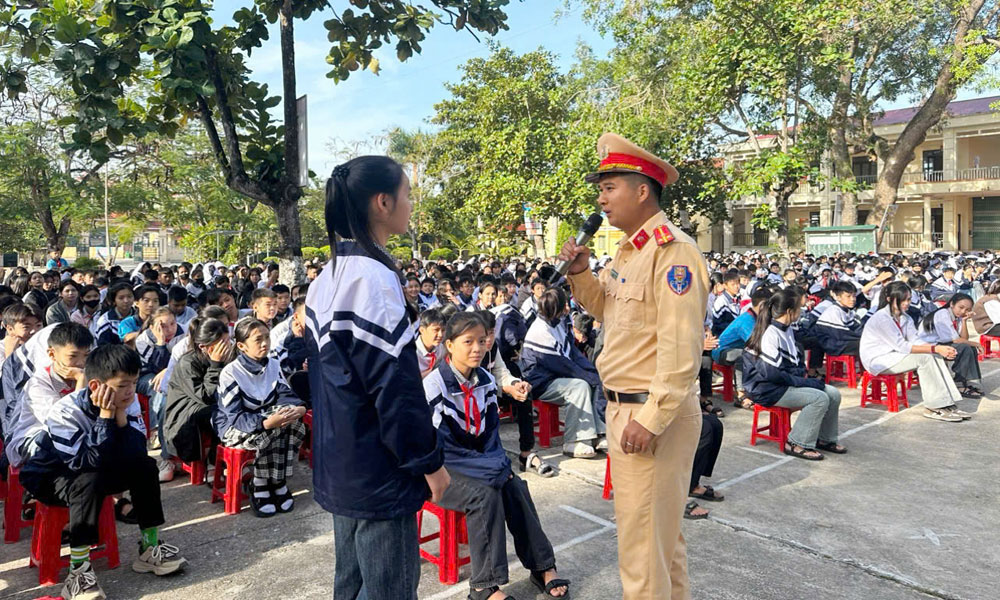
<point x="898" y="326"/>
<point x="433" y="360"/>
<point x="469" y="392"/>
<point x="63" y="391"/>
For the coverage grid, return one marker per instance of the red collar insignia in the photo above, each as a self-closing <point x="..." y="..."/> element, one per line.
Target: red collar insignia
<point x="663" y="235"/>
<point x="639" y="239"/>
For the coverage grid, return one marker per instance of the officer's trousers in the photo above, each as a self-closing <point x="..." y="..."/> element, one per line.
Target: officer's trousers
<point x="650" y="493"/>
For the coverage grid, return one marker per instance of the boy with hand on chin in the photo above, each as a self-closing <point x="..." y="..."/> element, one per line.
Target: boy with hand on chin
<point x="93" y="446"/>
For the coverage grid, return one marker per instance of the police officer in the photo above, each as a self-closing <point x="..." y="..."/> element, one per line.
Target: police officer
<point x="651" y="300"/>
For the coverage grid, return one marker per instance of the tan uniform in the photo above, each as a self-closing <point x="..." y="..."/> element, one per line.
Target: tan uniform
<point x="651" y="302"/>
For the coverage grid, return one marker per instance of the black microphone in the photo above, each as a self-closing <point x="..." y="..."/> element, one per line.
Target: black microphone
<point x="587" y="231"/>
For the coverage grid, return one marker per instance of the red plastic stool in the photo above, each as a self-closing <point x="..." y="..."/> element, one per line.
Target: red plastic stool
<point x="778" y="427"/>
<point x="46" y="540"/>
<point x="451" y="532"/>
<point x="987" y="342"/>
<point x="912" y="380"/>
<point x="842" y="368"/>
<point x="895" y="386"/>
<point x="728" y="384"/>
<point x="3" y="482"/>
<point x="549" y="425"/>
<point x="12" y="506"/>
<point x="198" y="470"/>
<point x="608" y="488"/>
<point x="144" y="407"/>
<point x="306" y="449"/>
<point x="235" y="460"/>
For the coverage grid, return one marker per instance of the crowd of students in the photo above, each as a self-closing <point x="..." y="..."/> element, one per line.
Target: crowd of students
<point x="220" y="355"/>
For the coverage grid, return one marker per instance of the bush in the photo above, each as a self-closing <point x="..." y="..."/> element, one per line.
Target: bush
<point x="311" y="253"/>
<point x="442" y="254"/>
<point x="403" y="253"/>
<point x="85" y="262"/>
<point x="273" y="259"/>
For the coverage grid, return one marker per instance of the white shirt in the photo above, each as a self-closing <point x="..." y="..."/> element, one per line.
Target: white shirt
<point x="885" y="341"/>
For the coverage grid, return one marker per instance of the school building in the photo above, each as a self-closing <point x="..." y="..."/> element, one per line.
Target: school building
<point x="949" y="197"/>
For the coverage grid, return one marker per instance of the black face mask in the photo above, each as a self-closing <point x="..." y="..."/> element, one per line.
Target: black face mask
<point x="91" y="303"/>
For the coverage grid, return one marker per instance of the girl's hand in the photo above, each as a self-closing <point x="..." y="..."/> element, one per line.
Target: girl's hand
<point x="946" y="352"/>
<point x="276" y="420"/>
<point x="711" y="342"/>
<point x="220" y="351"/>
<point x="158" y="380"/>
<point x="158" y="335"/>
<point x="438" y="481"/>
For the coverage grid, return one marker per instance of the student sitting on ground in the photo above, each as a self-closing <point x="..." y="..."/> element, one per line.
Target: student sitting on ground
<point x="945" y="285"/>
<point x="258" y="411"/>
<point x="428" y="343"/>
<point x="734" y="339"/>
<point x="463" y="396"/>
<point x="774" y="375"/>
<point x="147" y="300"/>
<point x="94" y="445"/>
<point x="192" y="390"/>
<point x="838" y="329"/>
<point x="947" y="326"/>
<point x="889" y="344"/>
<point x="560" y="374"/>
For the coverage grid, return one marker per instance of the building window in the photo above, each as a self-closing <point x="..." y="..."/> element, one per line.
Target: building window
<point x="865" y="169"/>
<point x="814" y="219"/>
<point x="863" y="216"/>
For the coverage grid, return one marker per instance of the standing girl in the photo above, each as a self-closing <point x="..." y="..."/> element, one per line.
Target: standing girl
<point x="376" y="453"/>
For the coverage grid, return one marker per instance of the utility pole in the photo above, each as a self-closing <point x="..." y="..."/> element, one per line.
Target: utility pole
<point x="107" y="229"/>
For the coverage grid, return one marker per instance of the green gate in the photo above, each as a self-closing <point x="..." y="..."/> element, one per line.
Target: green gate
<point x="986" y="223"/>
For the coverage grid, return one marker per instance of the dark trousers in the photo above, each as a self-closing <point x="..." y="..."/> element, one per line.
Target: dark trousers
<point x="486" y="509"/>
<point x="187" y="441"/>
<point x="524" y="416"/>
<point x="709" y="445"/>
<point x="84" y="492"/>
<point x="966" y="363"/>
<point x="816" y="355"/>
<point x="376" y="560"/>
<point x="705" y="375"/>
<point x="299" y="382"/>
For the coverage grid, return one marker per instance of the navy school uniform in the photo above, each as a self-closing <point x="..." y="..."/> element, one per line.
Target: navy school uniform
<point x="724" y="312"/>
<point x="155" y="358"/>
<point x="105" y="327"/>
<point x="373" y="440"/>
<point x="247" y="389"/>
<point x="838" y="330"/>
<point x="778" y="366"/>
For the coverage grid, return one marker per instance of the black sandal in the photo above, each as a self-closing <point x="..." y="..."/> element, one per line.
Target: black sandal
<point x="971" y="392"/>
<point x="831" y="447"/>
<point x="538" y="578"/>
<point x="689" y="512"/>
<point x="709" y="408"/>
<point x="121" y="516"/>
<point x="790" y="450"/>
<point x="542" y="469"/>
<point x="486" y="593"/>
<point x="282" y="498"/>
<point x="709" y="494"/>
<point x="261" y="497"/>
<point x="742" y="401"/>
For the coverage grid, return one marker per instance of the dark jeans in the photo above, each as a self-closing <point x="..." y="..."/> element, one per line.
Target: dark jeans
<point x="486" y="509"/>
<point x="709" y="445"/>
<point x="966" y="364"/>
<point x="84" y="493"/>
<point x="376" y="560"/>
<point x="524" y="416"/>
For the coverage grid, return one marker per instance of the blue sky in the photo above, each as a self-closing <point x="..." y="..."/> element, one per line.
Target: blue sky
<point x="365" y="106"/>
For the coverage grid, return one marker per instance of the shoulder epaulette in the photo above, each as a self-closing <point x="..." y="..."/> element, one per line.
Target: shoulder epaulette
<point x="662" y="235"/>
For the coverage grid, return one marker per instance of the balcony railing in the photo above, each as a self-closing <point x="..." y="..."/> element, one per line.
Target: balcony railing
<point x="755" y="239"/>
<point x="905" y="241"/>
<point x="938" y="240"/>
<point x="865" y="179"/>
<point x="953" y="175"/>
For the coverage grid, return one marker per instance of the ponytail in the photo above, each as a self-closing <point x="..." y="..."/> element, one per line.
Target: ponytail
<point x="927" y="322"/>
<point x="777" y="305"/>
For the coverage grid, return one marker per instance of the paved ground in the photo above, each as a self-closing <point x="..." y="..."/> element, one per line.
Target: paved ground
<point x="909" y="513"/>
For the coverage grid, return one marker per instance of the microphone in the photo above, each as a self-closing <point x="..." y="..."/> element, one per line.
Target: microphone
<point x="587" y="231"/>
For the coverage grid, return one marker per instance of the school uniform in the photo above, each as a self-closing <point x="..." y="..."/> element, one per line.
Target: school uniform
<point x="529" y="310"/>
<point x="185" y="317"/>
<point x="942" y="289"/>
<point x="191" y="404"/>
<point x="428" y="359"/>
<point x="724" y="312"/>
<point x="249" y="392"/>
<point x="105" y="327"/>
<point x="886" y="344"/>
<point x="427" y="301"/>
<point x="41" y="393"/>
<point x="944" y="332"/>
<point x="838" y="331"/>
<point x="81" y="458"/>
<point x="820" y="285"/>
<point x="466" y="417"/>
<point x="290" y="351"/>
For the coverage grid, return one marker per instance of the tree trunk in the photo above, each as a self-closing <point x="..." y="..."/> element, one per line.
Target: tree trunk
<point x="290" y="231"/>
<point x="779" y="200"/>
<point x="841" y="156"/>
<point x="901" y="152"/>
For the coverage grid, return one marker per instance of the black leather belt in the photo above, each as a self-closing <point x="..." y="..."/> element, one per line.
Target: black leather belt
<point x="622" y="398"/>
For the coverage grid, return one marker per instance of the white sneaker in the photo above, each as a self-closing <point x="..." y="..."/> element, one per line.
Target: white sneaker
<point x="579" y="450"/>
<point x="602" y="445"/>
<point x="81" y="584"/>
<point x="162" y="559"/>
<point x="165" y="468"/>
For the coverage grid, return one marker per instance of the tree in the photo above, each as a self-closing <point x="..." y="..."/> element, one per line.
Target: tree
<point x="103" y="51"/>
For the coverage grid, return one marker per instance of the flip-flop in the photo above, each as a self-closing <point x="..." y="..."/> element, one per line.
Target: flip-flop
<point x="709" y="494"/>
<point x="688" y="514"/>
<point x="831" y="447"/>
<point x="131" y="518"/>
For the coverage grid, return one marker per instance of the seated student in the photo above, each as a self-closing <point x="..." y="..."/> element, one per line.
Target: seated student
<point x="559" y="374"/>
<point x="529" y="308"/>
<point x="227" y="300"/>
<point x="427" y="298"/>
<point x="773" y="375"/>
<point x="705" y="456"/>
<point x="821" y="287"/>
<point x="119" y="304"/>
<point x="705" y="376"/>
<point x="920" y="303"/>
<point x="147" y="300"/>
<point x="412" y="290"/>
<point x="177" y="301"/>
<point x="89" y="307"/>
<point x="889" y="344"/>
<point x="466" y="288"/>
<point x="838" y="329"/>
<point x="282" y="303"/>
<point x="263" y="306"/>
<point x="192" y="390"/>
<point x="947" y="326"/>
<point x="487" y="295"/>
<point x="727" y="305"/>
<point x="288" y="347"/>
<point x="154" y="345"/>
<point x="986" y="312"/>
<point x="68" y="301"/>
<point x="428" y="343"/>
<point x="20" y="322"/>
<point x="258" y="411"/>
<point x="945" y="285"/>
<point x="94" y="445"/>
<point x="511" y="327"/>
<point x="732" y="341"/>
<point x="463" y="396"/>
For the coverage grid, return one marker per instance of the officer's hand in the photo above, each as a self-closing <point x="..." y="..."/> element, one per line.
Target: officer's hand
<point x="579" y="255"/>
<point x="635" y="438"/>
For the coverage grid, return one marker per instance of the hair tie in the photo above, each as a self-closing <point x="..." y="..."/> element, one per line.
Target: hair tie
<point x="341" y="171"/>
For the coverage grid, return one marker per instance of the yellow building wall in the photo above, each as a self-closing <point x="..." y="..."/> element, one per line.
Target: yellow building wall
<point x="909" y="219"/>
<point x="987" y="148"/>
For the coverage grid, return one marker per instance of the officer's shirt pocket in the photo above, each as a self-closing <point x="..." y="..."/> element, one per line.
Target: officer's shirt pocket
<point x="629" y="310"/>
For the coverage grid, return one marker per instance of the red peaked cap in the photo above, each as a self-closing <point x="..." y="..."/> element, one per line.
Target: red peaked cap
<point x="618" y="155"/>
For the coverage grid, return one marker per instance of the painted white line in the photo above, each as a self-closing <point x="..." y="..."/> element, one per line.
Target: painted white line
<point x="586" y="515"/>
<point x="877" y="421"/>
<point x="759" y="451"/>
<point x="753" y="473"/>
<point x="581" y="539"/>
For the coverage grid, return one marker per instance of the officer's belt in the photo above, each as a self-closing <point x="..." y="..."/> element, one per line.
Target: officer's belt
<point x="623" y="398"/>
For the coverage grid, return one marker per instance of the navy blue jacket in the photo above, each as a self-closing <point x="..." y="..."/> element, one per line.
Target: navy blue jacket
<point x="778" y="366"/>
<point x="838" y="329"/>
<point x="373" y="440"/>
<point x="549" y="353"/>
<point x="246" y="390"/>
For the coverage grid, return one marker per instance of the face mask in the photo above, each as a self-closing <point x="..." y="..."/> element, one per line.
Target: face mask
<point x="91" y="303"/>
